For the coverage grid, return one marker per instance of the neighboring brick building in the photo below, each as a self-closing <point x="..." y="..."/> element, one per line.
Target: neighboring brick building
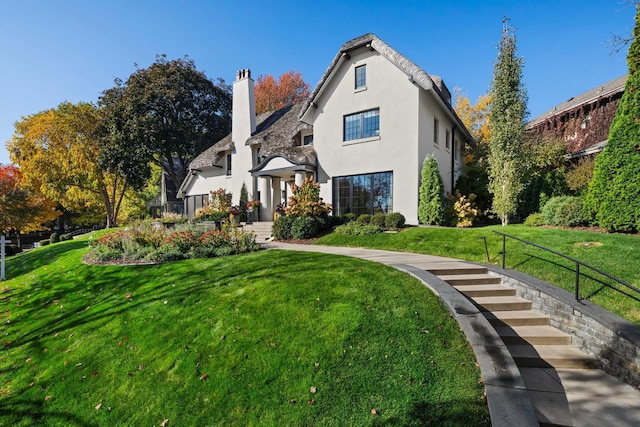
<point x="582" y="121"/>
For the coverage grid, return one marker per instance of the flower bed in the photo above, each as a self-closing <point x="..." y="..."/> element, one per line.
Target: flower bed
<point x="146" y="243"/>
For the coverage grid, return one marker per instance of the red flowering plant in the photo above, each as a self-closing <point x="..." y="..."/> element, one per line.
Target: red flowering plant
<point x="182" y="240"/>
<point x="214" y="238"/>
<point x="253" y="204"/>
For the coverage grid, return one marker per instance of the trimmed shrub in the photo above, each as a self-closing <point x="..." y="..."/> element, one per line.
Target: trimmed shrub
<point x="364" y="219"/>
<point x="65" y="237"/>
<point x="394" y="221"/>
<point x="379" y="220"/>
<point x="349" y="217"/>
<point x="534" y="220"/>
<point x="281" y="229"/>
<point x="54" y="238"/>
<point x="564" y="211"/>
<point x="431" y="201"/>
<point x="44" y="242"/>
<point x="355" y="228"/>
<point x="305" y="227"/>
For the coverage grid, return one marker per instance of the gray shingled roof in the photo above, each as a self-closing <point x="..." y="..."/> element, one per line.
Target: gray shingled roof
<point x="278" y="130"/>
<point x="213" y="154"/>
<point x="298" y="155"/>
<point x="602" y="91"/>
<point x="274" y="133"/>
<point x="417" y="74"/>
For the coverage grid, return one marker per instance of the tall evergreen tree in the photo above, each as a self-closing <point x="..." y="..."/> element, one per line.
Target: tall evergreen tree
<point x="506" y="121"/>
<point x="614" y="191"/>
<point x="430" y="204"/>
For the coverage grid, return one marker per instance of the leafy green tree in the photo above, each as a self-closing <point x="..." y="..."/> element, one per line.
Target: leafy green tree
<point x="57" y="151"/>
<point x="614" y="191"/>
<point x="430" y="204"/>
<point x="167" y="113"/>
<point x="506" y="121"/>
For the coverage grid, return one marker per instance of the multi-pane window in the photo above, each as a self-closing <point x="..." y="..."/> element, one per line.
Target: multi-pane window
<point x="362" y="125"/>
<point x="368" y="193"/>
<point x="361" y="76"/>
<point x="447" y="141"/>
<point x="229" y="164"/>
<point x="436" y="130"/>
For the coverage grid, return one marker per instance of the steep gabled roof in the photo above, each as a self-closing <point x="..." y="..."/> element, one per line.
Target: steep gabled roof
<point x="602" y="91"/>
<point x="278" y="131"/>
<point x="274" y="133"/>
<point x="413" y="72"/>
<point x="213" y="154"/>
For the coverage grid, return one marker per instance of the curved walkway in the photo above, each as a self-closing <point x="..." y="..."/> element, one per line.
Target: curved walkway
<point x="562" y="397"/>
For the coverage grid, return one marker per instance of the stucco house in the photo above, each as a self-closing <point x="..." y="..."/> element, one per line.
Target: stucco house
<point x="362" y="135"/>
<point x="583" y="121"/>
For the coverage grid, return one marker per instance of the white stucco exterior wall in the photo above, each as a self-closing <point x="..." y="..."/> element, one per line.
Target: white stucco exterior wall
<point x="406" y="129"/>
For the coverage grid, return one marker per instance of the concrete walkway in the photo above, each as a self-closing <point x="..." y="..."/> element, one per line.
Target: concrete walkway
<point x="549" y="394"/>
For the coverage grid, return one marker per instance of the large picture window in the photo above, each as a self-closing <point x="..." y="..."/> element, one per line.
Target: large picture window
<point x="359" y="194"/>
<point x="362" y="125"/>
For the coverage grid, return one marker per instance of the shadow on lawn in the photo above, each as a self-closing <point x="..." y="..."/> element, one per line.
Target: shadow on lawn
<point x="28" y="261"/>
<point x="32" y="411"/>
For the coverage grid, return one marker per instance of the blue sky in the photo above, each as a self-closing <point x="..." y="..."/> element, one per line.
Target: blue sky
<point x="71" y="50"/>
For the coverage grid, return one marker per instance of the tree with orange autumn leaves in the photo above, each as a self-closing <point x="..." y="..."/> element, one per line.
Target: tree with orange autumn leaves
<point x="21" y="209"/>
<point x="272" y="94"/>
<point x="57" y="151"/>
<point x="475" y="116"/>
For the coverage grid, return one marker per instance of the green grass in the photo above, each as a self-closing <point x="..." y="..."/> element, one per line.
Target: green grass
<point x="238" y="340"/>
<point x="616" y="254"/>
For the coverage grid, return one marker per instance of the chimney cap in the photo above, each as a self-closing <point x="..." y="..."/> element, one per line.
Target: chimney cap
<point x="245" y="73"/>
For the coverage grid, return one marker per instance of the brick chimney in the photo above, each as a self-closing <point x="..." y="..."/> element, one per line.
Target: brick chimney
<point x="244" y="108"/>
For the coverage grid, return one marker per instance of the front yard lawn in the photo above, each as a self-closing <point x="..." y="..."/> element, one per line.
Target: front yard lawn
<point x="273" y="337"/>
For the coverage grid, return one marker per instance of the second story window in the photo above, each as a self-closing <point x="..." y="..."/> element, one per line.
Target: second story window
<point x="447" y="141"/>
<point x="361" y="76"/>
<point x="229" y="164"/>
<point x="436" y="130"/>
<point x="362" y="125"/>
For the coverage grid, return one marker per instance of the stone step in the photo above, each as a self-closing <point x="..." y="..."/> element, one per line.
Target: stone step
<point x="517" y="318"/>
<point x="485" y="290"/>
<point x="507" y="303"/>
<point x="544" y="335"/>
<point x="470" y="279"/>
<point x="450" y="269"/>
<point x="555" y="356"/>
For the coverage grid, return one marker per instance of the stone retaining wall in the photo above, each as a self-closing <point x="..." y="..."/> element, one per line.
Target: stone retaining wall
<point x="614" y="341"/>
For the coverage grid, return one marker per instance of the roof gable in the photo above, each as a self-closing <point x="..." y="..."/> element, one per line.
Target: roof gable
<point x="414" y="73"/>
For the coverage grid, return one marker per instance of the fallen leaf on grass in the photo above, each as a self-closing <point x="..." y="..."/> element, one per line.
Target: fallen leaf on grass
<point x="47" y="397"/>
<point x="311" y="401"/>
<point x="128" y="295"/>
<point x="313" y="390"/>
<point x="164" y="423"/>
<point x="98" y="406"/>
<point x="203" y="376"/>
<point x="374" y="412"/>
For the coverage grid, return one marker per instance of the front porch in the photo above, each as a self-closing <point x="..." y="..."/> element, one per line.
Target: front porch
<point x="276" y="175"/>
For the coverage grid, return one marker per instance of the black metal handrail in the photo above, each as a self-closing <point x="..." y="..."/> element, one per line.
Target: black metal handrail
<point x="577" y="261"/>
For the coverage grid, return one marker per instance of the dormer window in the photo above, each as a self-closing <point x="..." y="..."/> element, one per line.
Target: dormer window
<point x="361" y="77"/>
<point x="307" y="140"/>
